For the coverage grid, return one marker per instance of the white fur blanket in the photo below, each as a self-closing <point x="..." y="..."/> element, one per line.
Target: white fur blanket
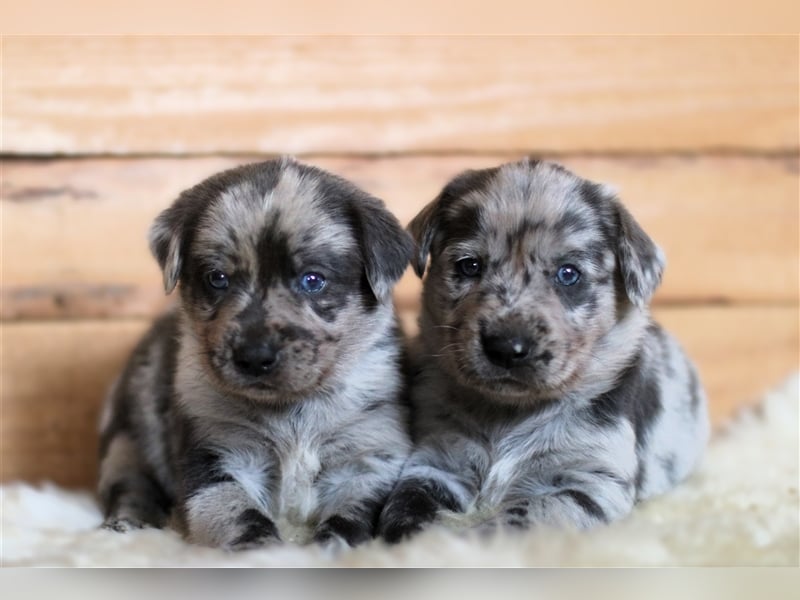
<point x="740" y="508"/>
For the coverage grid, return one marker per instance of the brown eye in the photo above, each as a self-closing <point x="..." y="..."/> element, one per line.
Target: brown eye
<point x="469" y="267"/>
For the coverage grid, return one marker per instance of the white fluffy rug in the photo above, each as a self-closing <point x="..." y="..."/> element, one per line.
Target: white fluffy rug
<point x="741" y="508"/>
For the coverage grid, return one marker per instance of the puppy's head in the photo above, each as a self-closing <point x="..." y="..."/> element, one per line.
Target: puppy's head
<point x="531" y="270"/>
<point x="285" y="275"/>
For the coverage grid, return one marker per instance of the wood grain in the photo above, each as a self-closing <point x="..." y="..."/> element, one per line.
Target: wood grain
<point x="700" y="134"/>
<point x="503" y="17"/>
<point x="54" y="377"/>
<point x="121" y="95"/>
<point x="74" y="231"/>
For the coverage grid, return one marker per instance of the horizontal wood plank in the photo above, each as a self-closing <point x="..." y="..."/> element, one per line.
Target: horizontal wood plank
<point x="74" y="230"/>
<point x="321" y="17"/>
<point x="121" y="95"/>
<point x="54" y="377"/>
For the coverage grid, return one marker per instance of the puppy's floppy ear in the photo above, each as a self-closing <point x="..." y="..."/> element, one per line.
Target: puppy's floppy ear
<point x="167" y="237"/>
<point x="430" y="219"/>
<point x="385" y="246"/>
<point x="423" y="229"/>
<point x="641" y="261"/>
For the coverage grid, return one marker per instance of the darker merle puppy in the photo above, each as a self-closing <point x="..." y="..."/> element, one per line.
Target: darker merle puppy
<point x="544" y="393"/>
<point x="267" y="406"/>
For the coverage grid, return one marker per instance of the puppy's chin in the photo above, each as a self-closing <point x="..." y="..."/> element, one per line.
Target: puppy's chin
<point x="513" y="393"/>
<point x="507" y="388"/>
<point x="267" y="390"/>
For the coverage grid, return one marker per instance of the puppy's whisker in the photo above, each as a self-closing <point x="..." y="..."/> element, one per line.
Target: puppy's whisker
<point x="456" y="345"/>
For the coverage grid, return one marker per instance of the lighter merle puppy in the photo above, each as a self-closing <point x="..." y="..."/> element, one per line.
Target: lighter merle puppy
<point x="269" y="405"/>
<point x="544" y="391"/>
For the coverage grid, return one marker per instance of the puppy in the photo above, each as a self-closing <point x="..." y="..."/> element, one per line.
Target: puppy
<point x="269" y="405"/>
<point x="544" y="392"/>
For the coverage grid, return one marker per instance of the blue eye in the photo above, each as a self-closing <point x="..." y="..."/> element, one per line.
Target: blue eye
<point x="568" y="275"/>
<point x="312" y="282"/>
<point x="469" y="267"/>
<point x="217" y="280"/>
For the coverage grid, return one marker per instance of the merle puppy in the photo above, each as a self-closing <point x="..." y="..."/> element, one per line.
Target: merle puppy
<point x="268" y="406"/>
<point x="544" y="392"/>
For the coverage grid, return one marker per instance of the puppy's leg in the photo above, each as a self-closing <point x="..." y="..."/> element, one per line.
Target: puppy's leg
<point x="220" y="510"/>
<point x="135" y="479"/>
<point x="591" y="500"/>
<point x="678" y="432"/>
<point x="355" y="495"/>
<point x="576" y="487"/>
<point x="434" y="479"/>
<point x="131" y="496"/>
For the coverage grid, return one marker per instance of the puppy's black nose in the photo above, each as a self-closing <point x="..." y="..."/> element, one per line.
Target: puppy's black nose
<point x="255" y="359"/>
<point x="506" y="350"/>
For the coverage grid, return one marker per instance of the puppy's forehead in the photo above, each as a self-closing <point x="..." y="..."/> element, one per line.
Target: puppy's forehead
<point x="537" y="192"/>
<point x="295" y="205"/>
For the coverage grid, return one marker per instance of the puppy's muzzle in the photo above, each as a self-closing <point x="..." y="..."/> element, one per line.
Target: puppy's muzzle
<point x="256" y="358"/>
<point x="507" y="349"/>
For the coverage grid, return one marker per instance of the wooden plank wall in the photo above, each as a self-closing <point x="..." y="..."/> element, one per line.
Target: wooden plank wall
<point x="700" y="134"/>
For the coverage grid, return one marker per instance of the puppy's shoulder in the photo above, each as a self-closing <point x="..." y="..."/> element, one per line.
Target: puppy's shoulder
<point x="147" y="381"/>
<point x="679" y="383"/>
<point x="161" y="341"/>
<point x="636" y="395"/>
<point x="659" y="379"/>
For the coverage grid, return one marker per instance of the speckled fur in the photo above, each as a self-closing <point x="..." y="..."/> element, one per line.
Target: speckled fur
<point x="306" y="450"/>
<point x="599" y="408"/>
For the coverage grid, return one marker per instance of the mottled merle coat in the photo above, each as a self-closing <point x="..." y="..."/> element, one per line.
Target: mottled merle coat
<point x="544" y="392"/>
<point x="268" y="406"/>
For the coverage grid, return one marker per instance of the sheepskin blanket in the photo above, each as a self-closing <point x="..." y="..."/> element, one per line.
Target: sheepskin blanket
<point x="740" y="508"/>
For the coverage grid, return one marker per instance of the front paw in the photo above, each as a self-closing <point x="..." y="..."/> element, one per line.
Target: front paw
<point x="123" y="524"/>
<point x="515" y="516"/>
<point x="253" y="530"/>
<point x="340" y="529"/>
<point x="406" y="513"/>
<point x="508" y="519"/>
<point x="400" y="527"/>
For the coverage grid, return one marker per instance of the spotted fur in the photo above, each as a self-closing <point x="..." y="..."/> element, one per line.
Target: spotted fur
<point x="537" y="402"/>
<point x="263" y="411"/>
